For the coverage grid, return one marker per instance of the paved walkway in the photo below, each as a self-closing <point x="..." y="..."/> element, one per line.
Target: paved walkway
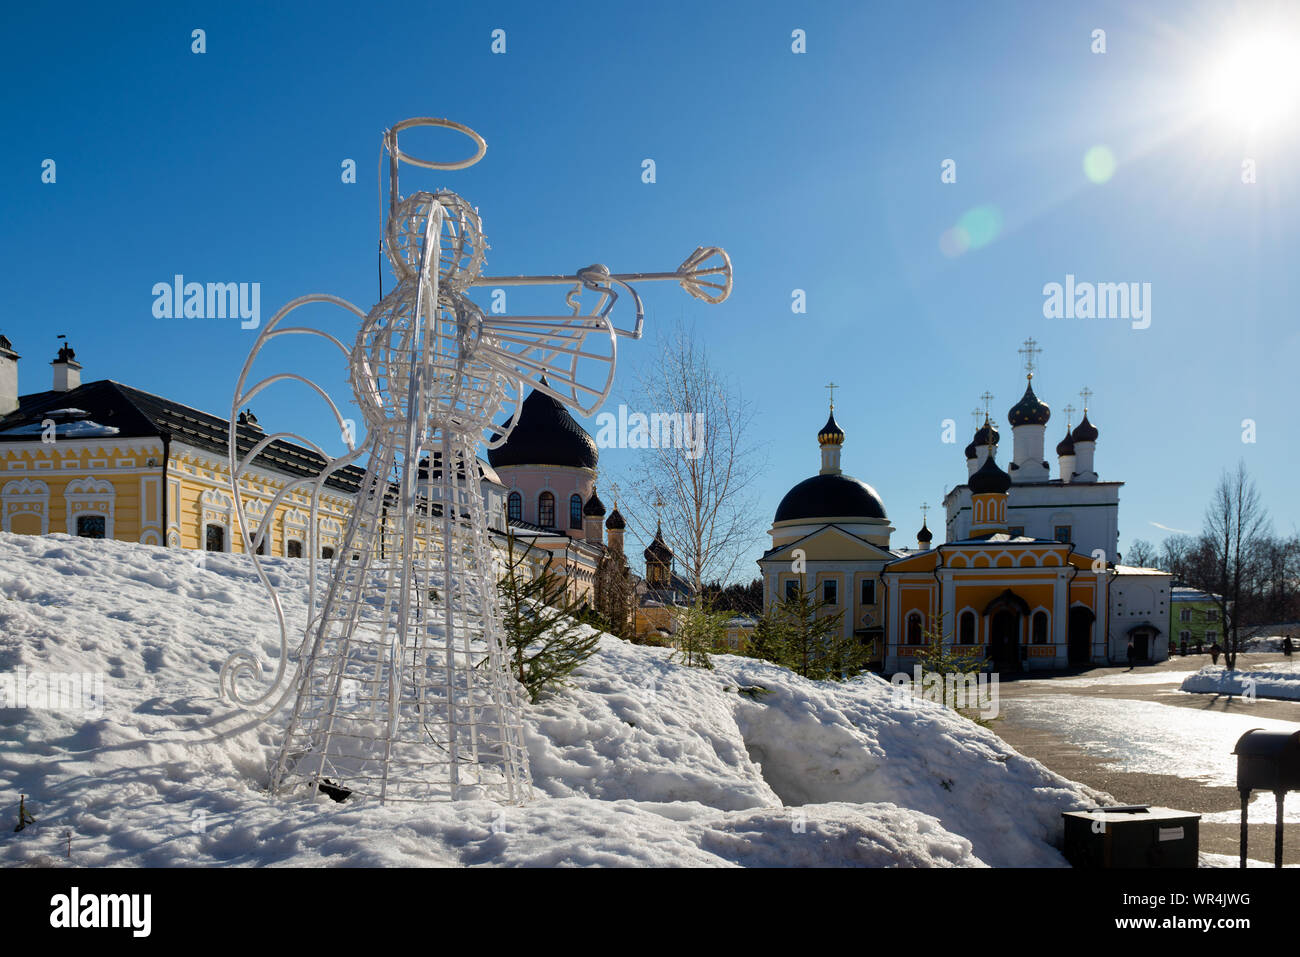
<point x="1116" y="730"/>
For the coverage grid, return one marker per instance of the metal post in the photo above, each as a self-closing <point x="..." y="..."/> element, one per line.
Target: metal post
<point x="1277" y="830"/>
<point x="1245" y="806"/>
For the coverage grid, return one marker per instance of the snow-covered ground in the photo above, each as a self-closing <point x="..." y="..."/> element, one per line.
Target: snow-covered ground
<point x="639" y="761"/>
<point x="1280" y="682"/>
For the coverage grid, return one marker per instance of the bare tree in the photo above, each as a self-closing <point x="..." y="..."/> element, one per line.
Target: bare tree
<point x="1176" y="555"/>
<point x="703" y="475"/>
<point x="1142" y="554"/>
<point x="1236" y="525"/>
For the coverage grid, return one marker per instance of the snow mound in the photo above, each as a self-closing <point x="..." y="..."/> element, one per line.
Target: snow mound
<point x="1214" y="679"/>
<point x="638" y="761"/>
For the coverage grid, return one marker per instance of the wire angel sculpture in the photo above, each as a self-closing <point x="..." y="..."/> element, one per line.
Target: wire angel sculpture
<point x="402" y="688"/>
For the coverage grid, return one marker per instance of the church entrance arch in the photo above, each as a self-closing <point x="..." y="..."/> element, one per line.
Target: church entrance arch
<point x="1005" y="614"/>
<point x="1004" y="639"/>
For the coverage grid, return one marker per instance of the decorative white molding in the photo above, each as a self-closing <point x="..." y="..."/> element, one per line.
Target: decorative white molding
<point x="26" y="497"/>
<point x="216" y="508"/>
<point x="90" y="496"/>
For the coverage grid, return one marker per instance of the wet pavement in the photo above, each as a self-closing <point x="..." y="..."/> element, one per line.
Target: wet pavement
<point x="1133" y="734"/>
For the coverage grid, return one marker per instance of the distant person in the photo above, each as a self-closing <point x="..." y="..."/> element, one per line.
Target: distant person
<point x="1182" y="647"/>
<point x="1288" y="646"/>
<point x="1131" y="653"/>
<point x="1214" y="653"/>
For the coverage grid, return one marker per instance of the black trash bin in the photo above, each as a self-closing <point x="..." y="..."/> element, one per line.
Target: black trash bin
<point x="1137" y="836"/>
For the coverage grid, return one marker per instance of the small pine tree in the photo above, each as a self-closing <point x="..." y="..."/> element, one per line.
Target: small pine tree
<point x="769" y="641"/>
<point x="544" y="640"/>
<point x="801" y="633"/>
<point x="700" y="629"/>
<point x="936" y="658"/>
<point x="940" y="659"/>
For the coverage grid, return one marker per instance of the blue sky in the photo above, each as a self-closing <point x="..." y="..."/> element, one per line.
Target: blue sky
<point x="817" y="171"/>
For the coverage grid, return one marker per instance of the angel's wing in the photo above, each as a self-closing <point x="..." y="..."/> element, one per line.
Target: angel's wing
<point x="255" y="529"/>
<point x="569" y="357"/>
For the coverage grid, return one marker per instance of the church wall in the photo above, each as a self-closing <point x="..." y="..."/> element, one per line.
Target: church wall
<point x="199" y="494"/>
<point x="1090" y="509"/>
<point x="1045" y="589"/>
<point x="50" y="484"/>
<point x="562" y="482"/>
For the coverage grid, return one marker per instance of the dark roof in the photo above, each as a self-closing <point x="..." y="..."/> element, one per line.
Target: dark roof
<point x="1066" y="445"/>
<point x="971" y="451"/>
<point x="138" y="414"/>
<point x="989" y="478"/>
<point x="615" y="519"/>
<point x="658" y="550"/>
<point x="924" y="535"/>
<point x="1030" y="410"/>
<point x="594" y="505"/>
<point x="831" y="433"/>
<point x="983" y="434"/>
<point x="546" y="435"/>
<point x="830" y="496"/>
<point x="1085" y="431"/>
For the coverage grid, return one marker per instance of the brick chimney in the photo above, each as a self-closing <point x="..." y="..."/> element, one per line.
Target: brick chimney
<point x="67" y="370"/>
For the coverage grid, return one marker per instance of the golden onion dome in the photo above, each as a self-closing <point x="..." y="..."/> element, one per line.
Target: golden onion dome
<point x="831" y="433"/>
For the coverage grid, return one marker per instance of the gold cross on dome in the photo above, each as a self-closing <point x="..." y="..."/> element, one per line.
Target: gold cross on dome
<point x="925" y="508"/>
<point x="832" y="386"/>
<point x="1085" y="393"/>
<point x="977" y="414"/>
<point x="987" y="397"/>
<point x="1029" y="351"/>
<point x="1069" y="416"/>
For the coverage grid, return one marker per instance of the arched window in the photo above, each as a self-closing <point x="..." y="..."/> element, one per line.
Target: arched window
<point x="575" y="511"/>
<point x="327" y="552"/>
<point x="293" y="548"/>
<point x="546" y="510"/>
<point x="967" y="630"/>
<point x="1040" y="627"/>
<point x="914" y="628"/>
<point x="214" y="538"/>
<point x="515" y="507"/>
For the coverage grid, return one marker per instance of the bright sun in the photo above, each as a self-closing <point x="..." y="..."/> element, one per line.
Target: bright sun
<point x="1257" y="84"/>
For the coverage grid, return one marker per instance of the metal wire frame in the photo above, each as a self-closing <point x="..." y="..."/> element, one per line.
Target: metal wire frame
<point x="403" y="688"/>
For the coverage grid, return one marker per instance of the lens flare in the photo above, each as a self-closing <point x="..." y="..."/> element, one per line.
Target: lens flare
<point x="1099" y="164"/>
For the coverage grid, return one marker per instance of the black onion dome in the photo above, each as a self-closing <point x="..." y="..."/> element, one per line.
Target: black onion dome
<point x="615" y="520"/>
<point x="1085" y="431"/>
<point x="1066" y="445"/>
<point x="831" y="433"/>
<point x="546" y="435"/>
<point x="924" y="536"/>
<point x="594" y="505"/>
<point x="985" y="432"/>
<point x="1030" y="410"/>
<point x="830" y="496"/>
<point x="989" y="478"/>
<point x="658" y="551"/>
<point x="971" y="450"/>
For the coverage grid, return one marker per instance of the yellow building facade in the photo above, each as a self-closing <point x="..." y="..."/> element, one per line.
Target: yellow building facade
<point x="105" y="460"/>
